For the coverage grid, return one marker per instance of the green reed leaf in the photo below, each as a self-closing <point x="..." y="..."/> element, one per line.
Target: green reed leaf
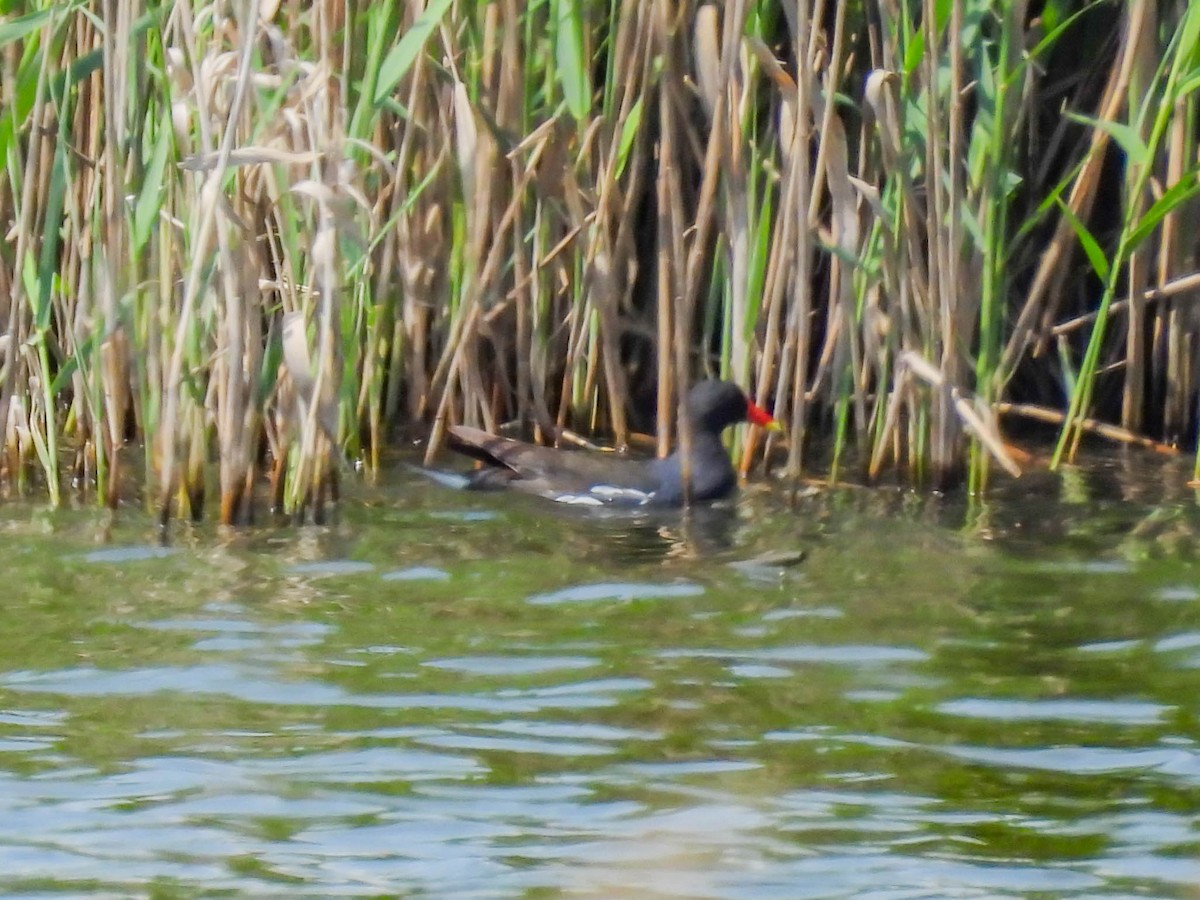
<point x="400" y="59"/>
<point x="1125" y="135"/>
<point x="48" y="262"/>
<point x="23" y="26"/>
<point x="1173" y="198"/>
<point x="628" y="133"/>
<point x="568" y="54"/>
<point x="149" y="202"/>
<point x="1091" y="247"/>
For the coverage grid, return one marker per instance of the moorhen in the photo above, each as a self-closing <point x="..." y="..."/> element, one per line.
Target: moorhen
<point x="598" y="480"/>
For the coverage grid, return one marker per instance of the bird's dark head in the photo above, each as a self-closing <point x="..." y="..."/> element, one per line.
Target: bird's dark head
<point x="715" y="405"/>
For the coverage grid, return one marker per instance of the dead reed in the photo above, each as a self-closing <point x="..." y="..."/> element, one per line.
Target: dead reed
<point x="257" y="239"/>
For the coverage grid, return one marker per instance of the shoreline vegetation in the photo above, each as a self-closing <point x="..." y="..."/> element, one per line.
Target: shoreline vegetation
<point x="250" y="244"/>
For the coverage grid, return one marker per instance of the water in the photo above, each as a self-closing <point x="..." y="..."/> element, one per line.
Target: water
<point x="451" y="695"/>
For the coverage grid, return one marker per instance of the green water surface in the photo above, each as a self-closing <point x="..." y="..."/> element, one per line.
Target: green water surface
<point x="458" y="695"/>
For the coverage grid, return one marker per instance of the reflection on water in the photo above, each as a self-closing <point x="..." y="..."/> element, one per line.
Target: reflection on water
<point x="872" y="694"/>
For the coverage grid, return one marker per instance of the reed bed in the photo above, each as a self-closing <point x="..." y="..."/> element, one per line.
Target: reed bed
<point x="249" y="244"/>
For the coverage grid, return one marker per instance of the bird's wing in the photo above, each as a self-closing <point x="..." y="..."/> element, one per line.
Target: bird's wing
<point x="564" y="475"/>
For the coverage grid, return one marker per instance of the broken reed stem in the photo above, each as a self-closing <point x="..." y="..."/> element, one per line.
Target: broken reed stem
<point x="1101" y="429"/>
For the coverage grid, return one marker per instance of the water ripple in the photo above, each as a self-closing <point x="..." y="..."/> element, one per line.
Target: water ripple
<point x="1111" y="711"/>
<point x="621" y="592"/>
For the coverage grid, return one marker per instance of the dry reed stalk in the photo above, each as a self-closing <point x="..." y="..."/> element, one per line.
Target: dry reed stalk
<point x="831" y="174"/>
<point x="1044" y="295"/>
<point x="1175" y="257"/>
<point x="937" y="337"/>
<point x="1105" y="430"/>
<point x="843" y="346"/>
<point x="845" y="236"/>
<point x="671" y="271"/>
<point x="1142" y="53"/>
<point x="456" y="372"/>
<point x="778" y="354"/>
<point x="209" y="221"/>
<point x="609" y="254"/>
<point x="960" y="300"/>
<point x="978" y="421"/>
<point x="417" y="248"/>
<point x="800" y="189"/>
<point x="725" y="89"/>
<point x="14" y="414"/>
<point x="1176" y="289"/>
